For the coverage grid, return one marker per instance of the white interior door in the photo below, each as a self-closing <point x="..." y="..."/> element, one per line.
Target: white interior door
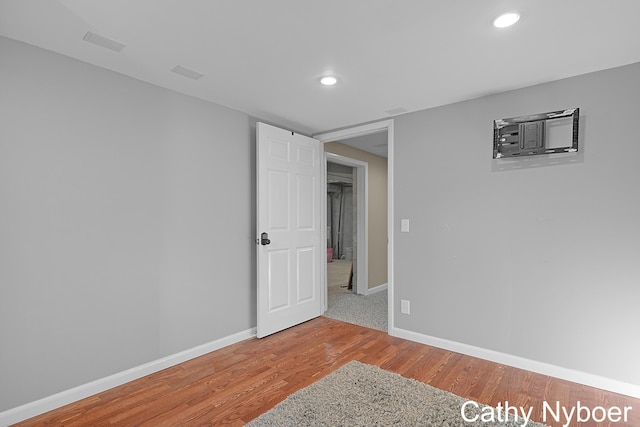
<point x="290" y="250"/>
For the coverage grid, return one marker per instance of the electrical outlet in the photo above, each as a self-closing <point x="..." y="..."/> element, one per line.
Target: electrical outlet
<point x="404" y="306"/>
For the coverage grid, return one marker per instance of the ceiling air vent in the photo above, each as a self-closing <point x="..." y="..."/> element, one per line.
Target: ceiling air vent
<point x="396" y="111"/>
<point x="186" y="72"/>
<point x="116" y="46"/>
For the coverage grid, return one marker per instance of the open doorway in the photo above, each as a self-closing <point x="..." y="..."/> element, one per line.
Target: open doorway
<point x="361" y="249"/>
<point x="342" y="228"/>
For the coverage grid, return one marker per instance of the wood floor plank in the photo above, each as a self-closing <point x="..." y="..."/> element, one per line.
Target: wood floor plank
<point x="235" y="384"/>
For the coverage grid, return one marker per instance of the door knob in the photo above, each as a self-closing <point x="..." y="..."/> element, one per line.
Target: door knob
<point x="264" y="239"/>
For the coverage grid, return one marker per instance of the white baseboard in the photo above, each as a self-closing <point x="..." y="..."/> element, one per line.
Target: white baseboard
<point x="378" y="288"/>
<point x="572" y="375"/>
<point x="57" y="400"/>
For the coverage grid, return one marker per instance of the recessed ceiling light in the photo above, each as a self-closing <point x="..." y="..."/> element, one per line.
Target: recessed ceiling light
<point x="328" y="80"/>
<point x="506" y="19"/>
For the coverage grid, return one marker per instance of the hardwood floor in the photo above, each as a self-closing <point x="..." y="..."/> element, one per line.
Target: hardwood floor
<point x="233" y="385"/>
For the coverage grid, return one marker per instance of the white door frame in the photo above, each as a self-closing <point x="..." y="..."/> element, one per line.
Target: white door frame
<point x="384" y="125"/>
<point x="362" y="217"/>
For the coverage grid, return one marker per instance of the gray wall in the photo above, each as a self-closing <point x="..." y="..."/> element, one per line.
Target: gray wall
<point x="525" y="257"/>
<point x="122" y="238"/>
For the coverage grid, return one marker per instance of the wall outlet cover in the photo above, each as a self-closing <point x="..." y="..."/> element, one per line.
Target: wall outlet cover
<point x="404" y="306"/>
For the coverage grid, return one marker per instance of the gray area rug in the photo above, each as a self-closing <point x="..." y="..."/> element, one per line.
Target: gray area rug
<point x="363" y="395"/>
<point x="369" y="311"/>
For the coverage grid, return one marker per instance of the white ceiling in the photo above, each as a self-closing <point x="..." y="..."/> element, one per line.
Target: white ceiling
<point x="264" y="57"/>
<point x="376" y="143"/>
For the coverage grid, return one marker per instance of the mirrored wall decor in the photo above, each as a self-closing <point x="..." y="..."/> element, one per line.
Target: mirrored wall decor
<point x="544" y="133"/>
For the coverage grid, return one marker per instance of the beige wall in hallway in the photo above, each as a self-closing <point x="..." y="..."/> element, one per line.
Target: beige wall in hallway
<point x="377" y="208"/>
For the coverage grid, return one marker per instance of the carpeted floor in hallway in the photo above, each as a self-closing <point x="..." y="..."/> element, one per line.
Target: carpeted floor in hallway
<point x="364" y="310"/>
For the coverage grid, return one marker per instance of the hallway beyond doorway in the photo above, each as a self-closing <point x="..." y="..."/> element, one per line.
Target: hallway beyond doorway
<point x="338" y="272"/>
